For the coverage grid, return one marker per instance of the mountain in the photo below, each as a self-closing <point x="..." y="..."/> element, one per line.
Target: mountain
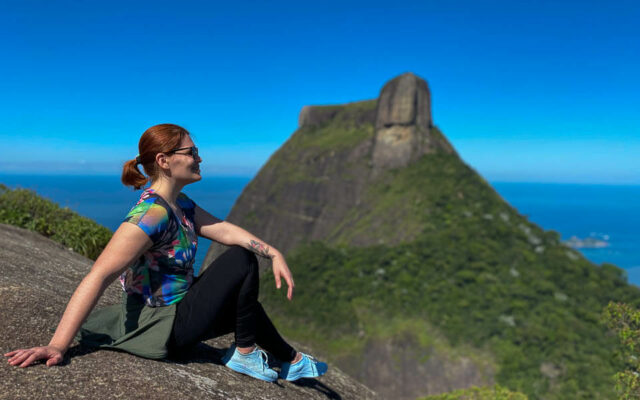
<point x="412" y="273"/>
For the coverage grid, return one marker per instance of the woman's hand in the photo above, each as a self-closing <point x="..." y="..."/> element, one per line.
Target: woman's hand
<point x="232" y="235"/>
<point x="26" y="357"/>
<point x="281" y="270"/>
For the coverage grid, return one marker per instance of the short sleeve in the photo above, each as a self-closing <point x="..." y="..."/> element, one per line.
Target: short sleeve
<point x="151" y="217"/>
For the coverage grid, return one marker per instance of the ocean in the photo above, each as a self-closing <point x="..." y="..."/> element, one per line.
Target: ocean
<point x="107" y="201"/>
<point x="609" y="213"/>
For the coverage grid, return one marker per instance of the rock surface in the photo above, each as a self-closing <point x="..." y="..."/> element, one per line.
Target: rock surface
<point x="37" y="278"/>
<point x="399" y="368"/>
<point x="315" y="116"/>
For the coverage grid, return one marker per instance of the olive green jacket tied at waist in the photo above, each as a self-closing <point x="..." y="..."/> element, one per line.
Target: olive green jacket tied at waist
<point x="130" y="326"/>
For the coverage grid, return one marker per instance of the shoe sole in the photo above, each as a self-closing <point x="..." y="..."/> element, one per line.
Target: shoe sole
<point x="243" y="370"/>
<point x="300" y="376"/>
<point x="291" y="379"/>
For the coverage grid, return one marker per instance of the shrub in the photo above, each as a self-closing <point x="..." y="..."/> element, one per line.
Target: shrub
<point x="25" y="209"/>
<point x="480" y="393"/>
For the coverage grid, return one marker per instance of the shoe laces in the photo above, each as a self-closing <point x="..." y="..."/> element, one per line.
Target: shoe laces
<point x="312" y="358"/>
<point x="264" y="357"/>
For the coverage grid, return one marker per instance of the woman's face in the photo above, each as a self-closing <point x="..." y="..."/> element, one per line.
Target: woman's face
<point x="184" y="166"/>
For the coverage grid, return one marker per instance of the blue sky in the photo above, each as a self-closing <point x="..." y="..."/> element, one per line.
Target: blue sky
<point x="544" y="91"/>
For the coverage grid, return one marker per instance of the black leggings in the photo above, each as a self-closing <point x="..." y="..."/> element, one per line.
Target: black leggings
<point x="224" y="299"/>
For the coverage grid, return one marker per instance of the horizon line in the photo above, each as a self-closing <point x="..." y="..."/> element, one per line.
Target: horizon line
<point x="252" y="175"/>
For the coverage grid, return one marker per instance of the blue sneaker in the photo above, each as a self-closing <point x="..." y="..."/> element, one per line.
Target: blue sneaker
<point x="307" y="367"/>
<point x="254" y="364"/>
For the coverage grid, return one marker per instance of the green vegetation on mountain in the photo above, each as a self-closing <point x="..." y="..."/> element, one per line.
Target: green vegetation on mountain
<point x="480" y="275"/>
<point x="438" y="190"/>
<point x="456" y="267"/>
<point x="539" y="316"/>
<point x="297" y="160"/>
<point x="343" y="129"/>
<point x="24" y="208"/>
<point x="625" y="320"/>
<point x="479" y="393"/>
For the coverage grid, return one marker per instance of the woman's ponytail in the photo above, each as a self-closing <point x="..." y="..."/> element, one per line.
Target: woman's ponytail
<point x="131" y="175"/>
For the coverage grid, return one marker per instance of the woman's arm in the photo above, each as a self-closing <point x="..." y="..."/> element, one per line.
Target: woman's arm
<point x="126" y="245"/>
<point x="229" y="234"/>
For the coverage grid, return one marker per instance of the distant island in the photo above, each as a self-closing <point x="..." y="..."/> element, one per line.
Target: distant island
<point x="586" y="243"/>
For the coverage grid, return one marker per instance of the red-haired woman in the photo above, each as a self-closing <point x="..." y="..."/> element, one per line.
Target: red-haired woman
<point x="165" y="309"/>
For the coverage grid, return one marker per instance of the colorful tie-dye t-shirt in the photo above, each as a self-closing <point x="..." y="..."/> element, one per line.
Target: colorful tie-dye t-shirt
<point x="163" y="274"/>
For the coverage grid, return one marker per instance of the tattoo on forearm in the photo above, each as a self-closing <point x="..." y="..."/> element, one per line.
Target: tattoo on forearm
<point x="259" y="248"/>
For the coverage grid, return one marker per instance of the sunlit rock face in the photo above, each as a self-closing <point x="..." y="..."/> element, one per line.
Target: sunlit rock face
<point x="403" y="123"/>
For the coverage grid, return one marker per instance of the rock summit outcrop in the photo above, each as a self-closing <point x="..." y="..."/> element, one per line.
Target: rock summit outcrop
<point x="403" y="123"/>
<point x="402" y="120"/>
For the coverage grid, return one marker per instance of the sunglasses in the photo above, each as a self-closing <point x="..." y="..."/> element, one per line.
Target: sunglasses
<point x="193" y="151"/>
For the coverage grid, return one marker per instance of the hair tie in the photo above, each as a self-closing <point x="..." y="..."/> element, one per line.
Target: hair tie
<point x="138" y="160"/>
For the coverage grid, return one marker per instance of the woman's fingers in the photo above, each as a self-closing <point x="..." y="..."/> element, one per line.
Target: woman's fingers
<point x="33" y="357"/>
<point x="15" y="355"/>
<point x="289" y="281"/>
<point x="12" y="353"/>
<point x="24" y="358"/>
<point x="53" y="360"/>
<point x="276" y="275"/>
<point x="19" y="357"/>
<point x="280" y="270"/>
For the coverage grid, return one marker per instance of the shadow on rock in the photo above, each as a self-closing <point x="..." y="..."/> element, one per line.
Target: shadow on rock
<point x="318" y="386"/>
<point x="200" y="353"/>
<point x="76" y="351"/>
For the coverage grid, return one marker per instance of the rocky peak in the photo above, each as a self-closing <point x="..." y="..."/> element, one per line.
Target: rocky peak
<point x="403" y="123"/>
<point x="404" y="100"/>
<point x="314" y="185"/>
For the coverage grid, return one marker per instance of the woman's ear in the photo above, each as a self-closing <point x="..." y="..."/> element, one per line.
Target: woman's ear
<point x="162" y="160"/>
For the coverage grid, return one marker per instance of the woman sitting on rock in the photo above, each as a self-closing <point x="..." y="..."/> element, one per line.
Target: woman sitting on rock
<point x="165" y="309"/>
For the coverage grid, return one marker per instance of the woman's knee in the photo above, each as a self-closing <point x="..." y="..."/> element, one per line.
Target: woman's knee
<point x="243" y="258"/>
<point x="235" y="261"/>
